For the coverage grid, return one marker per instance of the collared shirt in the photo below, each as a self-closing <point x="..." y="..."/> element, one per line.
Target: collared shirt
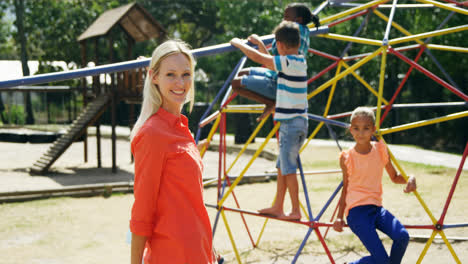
<point x="365" y="175"/>
<point x="169" y="207"/>
<point x="291" y="92"/>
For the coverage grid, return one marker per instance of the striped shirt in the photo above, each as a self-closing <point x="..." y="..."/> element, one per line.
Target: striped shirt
<point x="305" y="41"/>
<point x="291" y="92"/>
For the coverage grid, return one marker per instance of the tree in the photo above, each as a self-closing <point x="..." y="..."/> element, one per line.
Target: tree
<point x="19" y="10"/>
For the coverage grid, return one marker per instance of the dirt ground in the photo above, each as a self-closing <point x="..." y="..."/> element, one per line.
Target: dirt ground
<point x="94" y="230"/>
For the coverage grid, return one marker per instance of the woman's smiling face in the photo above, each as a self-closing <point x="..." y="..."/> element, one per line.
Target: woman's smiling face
<point x="174" y="80"/>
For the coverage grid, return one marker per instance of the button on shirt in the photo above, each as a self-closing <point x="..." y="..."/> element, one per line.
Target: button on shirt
<point x="168" y="190"/>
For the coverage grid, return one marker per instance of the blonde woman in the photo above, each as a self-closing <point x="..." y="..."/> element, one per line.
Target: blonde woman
<point x="169" y="221"/>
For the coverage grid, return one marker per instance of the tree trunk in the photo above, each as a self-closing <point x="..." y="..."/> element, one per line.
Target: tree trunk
<point x="19" y="10"/>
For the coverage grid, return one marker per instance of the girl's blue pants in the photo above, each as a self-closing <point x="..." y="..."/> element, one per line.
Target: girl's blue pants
<point x="364" y="222"/>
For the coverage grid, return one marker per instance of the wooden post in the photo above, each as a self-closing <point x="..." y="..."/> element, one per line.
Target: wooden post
<point x="114" y="121"/>
<point x="85" y="100"/>
<point x="97" y="92"/>
<point x="98" y="143"/>
<point x="113" y="95"/>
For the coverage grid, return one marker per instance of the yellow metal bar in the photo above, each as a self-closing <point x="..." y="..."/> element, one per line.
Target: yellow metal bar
<point x="428" y="34"/>
<point x="312" y="135"/>
<point x="351" y="11"/>
<point x="231" y="237"/>
<point x="383" y="63"/>
<point x="423" y="123"/>
<point x="396" y="25"/>
<point x="416" y="193"/>
<point x="332" y="91"/>
<point x="447" y="48"/>
<point x="240" y="110"/>
<point x="257" y="129"/>
<point x="264" y="225"/>
<point x="351" y="39"/>
<point x="304" y="211"/>
<point x="257" y="153"/>
<point x="344" y="73"/>
<point x="426" y="247"/>
<point x="452" y="251"/>
<point x="261" y="232"/>
<point x="210" y="135"/>
<point x="366" y="84"/>
<point x="445" y="6"/>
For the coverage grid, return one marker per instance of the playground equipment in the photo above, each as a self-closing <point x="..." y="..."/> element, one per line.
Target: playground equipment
<point x="383" y="47"/>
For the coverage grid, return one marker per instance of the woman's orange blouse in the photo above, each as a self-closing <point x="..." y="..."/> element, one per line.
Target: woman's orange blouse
<point x="168" y="190"/>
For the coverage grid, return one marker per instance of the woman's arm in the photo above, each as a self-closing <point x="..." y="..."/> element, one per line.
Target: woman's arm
<point x="339" y="222"/>
<point x="138" y="245"/>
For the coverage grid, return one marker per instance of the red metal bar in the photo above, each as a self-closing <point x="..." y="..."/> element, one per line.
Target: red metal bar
<point x="317" y="232"/>
<point x="242" y="215"/>
<point x="359" y="56"/>
<point x="457" y="3"/>
<point x="432" y="227"/>
<point x="233" y="95"/>
<point x="324" y="54"/>
<point x="397" y="92"/>
<point x="429" y="74"/>
<point x="454" y="185"/>
<point x="320" y="224"/>
<point x="331" y="219"/>
<point x="318" y="75"/>
<point x="363" y="12"/>
<point x="220" y="152"/>
<point x="307" y="223"/>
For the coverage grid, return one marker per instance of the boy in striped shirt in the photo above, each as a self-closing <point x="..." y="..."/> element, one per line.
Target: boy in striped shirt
<point x="290" y="109"/>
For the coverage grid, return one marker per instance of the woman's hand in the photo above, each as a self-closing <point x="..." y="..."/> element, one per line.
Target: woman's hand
<point x="338" y="225"/>
<point x="411" y="185"/>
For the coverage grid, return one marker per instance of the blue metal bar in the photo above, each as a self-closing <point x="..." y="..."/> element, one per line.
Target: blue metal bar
<point x="429" y="53"/>
<point x="358" y="31"/>
<point x="325" y="207"/>
<point x="320" y="7"/>
<point x="389" y="24"/>
<point x="454" y="226"/>
<point x="228" y="81"/>
<point x="128" y="65"/>
<point x="215" y="224"/>
<point x="333" y="135"/>
<point x="304" y="186"/>
<point x="383" y="6"/>
<point x="326" y="120"/>
<point x="228" y="92"/>
<point x="404" y="106"/>
<point x="452" y="82"/>
<point x="298" y="253"/>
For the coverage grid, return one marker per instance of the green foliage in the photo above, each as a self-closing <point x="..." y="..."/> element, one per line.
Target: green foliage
<point x="53" y="28"/>
<point x="15" y="114"/>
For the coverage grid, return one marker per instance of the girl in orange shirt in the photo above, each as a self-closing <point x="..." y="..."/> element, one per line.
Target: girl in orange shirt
<point x="361" y="197"/>
<point x="169" y="221"/>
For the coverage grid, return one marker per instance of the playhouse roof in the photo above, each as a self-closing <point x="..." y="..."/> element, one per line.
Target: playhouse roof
<point x="133" y="19"/>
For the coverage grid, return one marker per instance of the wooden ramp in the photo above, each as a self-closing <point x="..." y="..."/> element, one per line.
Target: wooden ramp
<point x="87" y="117"/>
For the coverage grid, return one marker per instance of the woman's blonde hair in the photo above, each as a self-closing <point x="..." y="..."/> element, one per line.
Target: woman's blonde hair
<point x="363" y="112"/>
<point x="152" y="99"/>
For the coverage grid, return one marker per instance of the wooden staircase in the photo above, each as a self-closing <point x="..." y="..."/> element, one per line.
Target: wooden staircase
<point x="87" y="117"/>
